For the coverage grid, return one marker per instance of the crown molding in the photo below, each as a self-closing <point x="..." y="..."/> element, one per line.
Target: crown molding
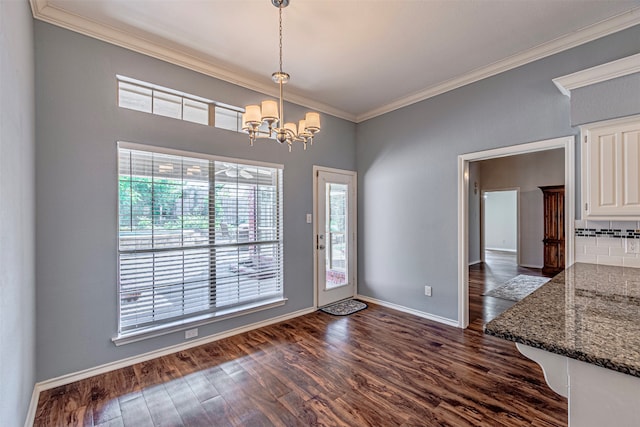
<point x="601" y="73"/>
<point x="576" y="38"/>
<point x="46" y="12"/>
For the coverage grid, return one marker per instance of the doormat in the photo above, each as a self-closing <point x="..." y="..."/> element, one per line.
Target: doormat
<point x="517" y="288"/>
<point x="344" y="308"/>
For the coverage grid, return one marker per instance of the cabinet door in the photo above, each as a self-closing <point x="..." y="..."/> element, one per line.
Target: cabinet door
<point x="630" y="192"/>
<point x="552" y="228"/>
<point x="612" y="180"/>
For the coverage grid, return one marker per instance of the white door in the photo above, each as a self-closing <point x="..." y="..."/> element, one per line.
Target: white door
<point x="335" y="229"/>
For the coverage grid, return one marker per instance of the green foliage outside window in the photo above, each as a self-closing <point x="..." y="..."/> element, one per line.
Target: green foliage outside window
<point x="161" y="203"/>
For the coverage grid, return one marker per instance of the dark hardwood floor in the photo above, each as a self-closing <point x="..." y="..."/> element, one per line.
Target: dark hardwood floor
<point x="378" y="367"/>
<point x="497" y="269"/>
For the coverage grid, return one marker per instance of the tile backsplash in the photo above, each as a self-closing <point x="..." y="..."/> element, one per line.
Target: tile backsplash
<point x="604" y="242"/>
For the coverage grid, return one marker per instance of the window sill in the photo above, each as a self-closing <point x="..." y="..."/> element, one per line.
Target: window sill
<point x="181" y="325"/>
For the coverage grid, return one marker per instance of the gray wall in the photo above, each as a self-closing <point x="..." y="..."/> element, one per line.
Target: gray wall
<point x="607" y="100"/>
<point x="407" y="165"/>
<point x="77" y="129"/>
<point x="528" y="172"/>
<point x="17" y="217"/>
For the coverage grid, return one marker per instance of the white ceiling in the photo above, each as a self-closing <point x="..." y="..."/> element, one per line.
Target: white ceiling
<point x="351" y="58"/>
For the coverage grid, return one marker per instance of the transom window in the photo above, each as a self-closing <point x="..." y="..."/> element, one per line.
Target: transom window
<point x="199" y="237"/>
<point x="163" y="101"/>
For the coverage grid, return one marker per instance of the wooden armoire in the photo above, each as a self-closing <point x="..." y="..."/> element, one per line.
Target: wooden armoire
<point x="553" y="202"/>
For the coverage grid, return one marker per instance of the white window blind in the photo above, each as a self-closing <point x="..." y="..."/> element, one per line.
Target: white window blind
<point x="197" y="236"/>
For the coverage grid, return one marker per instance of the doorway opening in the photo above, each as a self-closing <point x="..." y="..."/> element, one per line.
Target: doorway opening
<point x="567" y="144"/>
<point x="500" y="225"/>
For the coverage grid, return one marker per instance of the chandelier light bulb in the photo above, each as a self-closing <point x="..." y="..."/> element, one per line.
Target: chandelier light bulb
<point x="302" y="127"/>
<point x="253" y="115"/>
<point x="270" y="111"/>
<point x="312" y="121"/>
<point x="291" y="127"/>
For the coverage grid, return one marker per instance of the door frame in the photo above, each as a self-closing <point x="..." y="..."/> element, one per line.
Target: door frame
<point x="354" y="175"/>
<point x="483" y="218"/>
<point x="568" y="144"/>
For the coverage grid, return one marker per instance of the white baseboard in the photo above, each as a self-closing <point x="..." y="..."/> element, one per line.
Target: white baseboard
<point x="475" y="262"/>
<point x="530" y="266"/>
<point x="112" y="366"/>
<point x="510" y="251"/>
<point x="435" y="318"/>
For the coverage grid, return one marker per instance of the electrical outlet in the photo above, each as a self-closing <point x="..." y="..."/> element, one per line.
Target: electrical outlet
<point x="191" y="333"/>
<point x="427" y="291"/>
<point x="633" y="246"/>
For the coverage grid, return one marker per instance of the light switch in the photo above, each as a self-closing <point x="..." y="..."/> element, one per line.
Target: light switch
<point x="309" y="218"/>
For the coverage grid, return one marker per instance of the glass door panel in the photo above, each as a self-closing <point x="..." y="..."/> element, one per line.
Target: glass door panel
<point x="336" y="231"/>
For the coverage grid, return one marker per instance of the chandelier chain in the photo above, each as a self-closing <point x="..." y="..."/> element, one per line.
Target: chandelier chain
<point x="280" y="28"/>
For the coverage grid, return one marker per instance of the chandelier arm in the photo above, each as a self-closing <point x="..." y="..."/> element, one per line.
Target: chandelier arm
<point x="261" y="134"/>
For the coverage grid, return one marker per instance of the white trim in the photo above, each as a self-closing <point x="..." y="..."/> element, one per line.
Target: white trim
<point x="195" y="154"/>
<point x="621" y="121"/>
<point x="334" y="170"/>
<point x="46" y="12"/>
<point x="531" y="266"/>
<point x="424" y="315"/>
<point x="112" y="366"/>
<point x="169" y="328"/>
<point x="475" y="262"/>
<point x="600" y="73"/>
<point x="354" y="176"/>
<point x="571" y="40"/>
<point x="314" y="227"/>
<point x="463" y="242"/>
<point x="509" y="251"/>
<point x="570" y="200"/>
<point x="33" y="406"/>
<point x="568" y="143"/>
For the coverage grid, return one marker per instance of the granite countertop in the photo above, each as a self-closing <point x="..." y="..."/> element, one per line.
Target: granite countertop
<point x="587" y="312"/>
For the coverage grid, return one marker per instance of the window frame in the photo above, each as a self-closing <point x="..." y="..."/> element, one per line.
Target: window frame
<point x="133" y="335"/>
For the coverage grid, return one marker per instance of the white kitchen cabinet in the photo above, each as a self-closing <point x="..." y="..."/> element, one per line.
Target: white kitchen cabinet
<point x="611" y="169"/>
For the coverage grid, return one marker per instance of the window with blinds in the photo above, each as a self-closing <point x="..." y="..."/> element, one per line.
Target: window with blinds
<point x="163" y="101"/>
<point x="198" y="237"/>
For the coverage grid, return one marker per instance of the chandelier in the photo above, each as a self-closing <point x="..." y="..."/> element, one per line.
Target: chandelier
<point x="266" y="114"/>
